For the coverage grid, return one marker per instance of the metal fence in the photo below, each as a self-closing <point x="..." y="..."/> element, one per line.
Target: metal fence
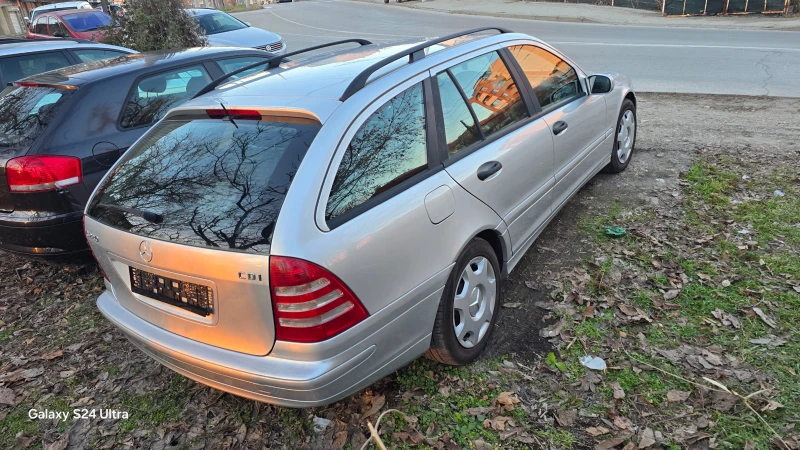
<point x="717" y="7"/>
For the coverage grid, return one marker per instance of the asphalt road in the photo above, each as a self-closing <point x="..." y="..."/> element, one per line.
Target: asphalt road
<point x="683" y="60"/>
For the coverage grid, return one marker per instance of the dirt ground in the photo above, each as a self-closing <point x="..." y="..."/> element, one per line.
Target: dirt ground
<point x="58" y="352"/>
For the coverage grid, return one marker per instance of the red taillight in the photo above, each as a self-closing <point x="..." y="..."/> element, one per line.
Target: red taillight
<point x="235" y="113"/>
<point x="85" y="235"/>
<point x="310" y="303"/>
<point x="42" y="173"/>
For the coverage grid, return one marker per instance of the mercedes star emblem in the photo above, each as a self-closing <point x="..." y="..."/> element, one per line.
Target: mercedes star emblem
<point x="146" y="251"/>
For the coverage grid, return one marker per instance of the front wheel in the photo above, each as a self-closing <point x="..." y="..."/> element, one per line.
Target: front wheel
<point x="469" y="306"/>
<point x="625" y="138"/>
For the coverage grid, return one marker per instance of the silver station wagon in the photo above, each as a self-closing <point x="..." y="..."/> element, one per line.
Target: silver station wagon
<point x="296" y="234"/>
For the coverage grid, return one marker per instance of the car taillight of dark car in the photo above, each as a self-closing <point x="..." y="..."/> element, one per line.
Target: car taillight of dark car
<point x="38" y="173"/>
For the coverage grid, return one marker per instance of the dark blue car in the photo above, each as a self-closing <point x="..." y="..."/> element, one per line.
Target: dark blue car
<point x="60" y="131"/>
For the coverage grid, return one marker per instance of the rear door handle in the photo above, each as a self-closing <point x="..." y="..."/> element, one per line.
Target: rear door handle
<point x="488" y="169"/>
<point x="559" y="127"/>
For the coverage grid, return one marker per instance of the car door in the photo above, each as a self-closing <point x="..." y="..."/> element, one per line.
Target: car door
<point x="576" y="120"/>
<point x="495" y="146"/>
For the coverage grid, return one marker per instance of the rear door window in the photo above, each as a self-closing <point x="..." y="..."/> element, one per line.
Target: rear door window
<point x="460" y="129"/>
<point x="215" y="184"/>
<point x="18" y="67"/>
<point x="96" y="54"/>
<point x="228" y="65"/>
<point x="154" y="95"/>
<point x="26" y="111"/>
<point x="389" y="148"/>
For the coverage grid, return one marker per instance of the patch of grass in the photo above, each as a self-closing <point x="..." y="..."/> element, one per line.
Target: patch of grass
<point x="155" y="408"/>
<point x="558" y="438"/>
<point x="14" y="423"/>
<point x="711" y="183"/>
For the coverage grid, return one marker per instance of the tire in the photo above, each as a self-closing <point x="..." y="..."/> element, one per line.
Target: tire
<point x="624" y="134"/>
<point x="484" y="270"/>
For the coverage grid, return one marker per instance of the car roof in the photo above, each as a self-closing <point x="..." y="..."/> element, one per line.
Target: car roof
<point x="202" y="11"/>
<point x="137" y="62"/>
<point x="66" y="12"/>
<point x="11" y="47"/>
<point x="60" y="5"/>
<point x="323" y="79"/>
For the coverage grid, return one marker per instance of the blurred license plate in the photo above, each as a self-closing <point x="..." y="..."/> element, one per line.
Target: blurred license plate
<point x="192" y="297"/>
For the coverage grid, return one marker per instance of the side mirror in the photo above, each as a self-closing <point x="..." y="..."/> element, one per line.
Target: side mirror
<point x="599" y="84"/>
<point x="27" y="21"/>
<point x="58" y="34"/>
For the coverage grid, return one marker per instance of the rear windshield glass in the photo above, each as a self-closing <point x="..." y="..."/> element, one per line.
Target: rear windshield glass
<point x="26" y="111"/>
<point x="87" y="21"/>
<point x="214" y="185"/>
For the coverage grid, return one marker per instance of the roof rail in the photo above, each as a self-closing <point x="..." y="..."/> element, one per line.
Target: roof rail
<point x="414" y="54"/>
<point x="272" y="63"/>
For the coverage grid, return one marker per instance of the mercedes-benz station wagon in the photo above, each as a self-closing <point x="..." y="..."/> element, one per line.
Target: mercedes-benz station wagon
<point x="296" y="234"/>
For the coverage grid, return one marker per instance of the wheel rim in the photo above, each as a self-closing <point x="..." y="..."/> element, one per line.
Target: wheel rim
<point x="626" y="135"/>
<point x="473" y="305"/>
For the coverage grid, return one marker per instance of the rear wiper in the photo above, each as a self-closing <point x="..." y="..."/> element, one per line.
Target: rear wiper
<point x="149" y="216"/>
<point x="228" y="115"/>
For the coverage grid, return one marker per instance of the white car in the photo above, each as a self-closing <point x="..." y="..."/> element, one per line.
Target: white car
<point x="57" y="7"/>
<point x="225" y="30"/>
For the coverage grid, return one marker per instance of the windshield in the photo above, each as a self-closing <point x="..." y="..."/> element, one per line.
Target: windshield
<point x="87" y="21"/>
<point x="26" y="111"/>
<point x="213" y="183"/>
<point x="218" y="23"/>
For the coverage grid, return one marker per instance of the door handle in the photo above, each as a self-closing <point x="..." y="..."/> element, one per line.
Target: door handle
<point x="488" y="169"/>
<point x="559" y="127"/>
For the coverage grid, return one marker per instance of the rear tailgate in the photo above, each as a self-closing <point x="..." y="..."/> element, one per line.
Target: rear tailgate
<point x="183" y="224"/>
<point x="25" y="113"/>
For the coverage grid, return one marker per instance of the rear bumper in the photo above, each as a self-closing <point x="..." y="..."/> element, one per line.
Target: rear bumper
<point x="60" y="236"/>
<point x="291" y="375"/>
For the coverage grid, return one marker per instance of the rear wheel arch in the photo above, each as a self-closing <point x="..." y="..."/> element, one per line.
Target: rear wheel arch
<point x="497" y="243"/>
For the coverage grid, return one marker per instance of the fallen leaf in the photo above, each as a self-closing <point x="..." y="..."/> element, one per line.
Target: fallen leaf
<point x="727" y="319"/>
<point x="647" y="438"/>
<point x="623" y="423"/>
<point x="671" y="294"/>
<point x="776" y="342"/>
<point x="725" y="283"/>
<point x="53" y="355"/>
<point x="613" y="442"/>
<point x="593" y="362"/>
<point x="444" y="390"/>
<point x="31" y="373"/>
<point x="722" y="401"/>
<point x="619" y="393"/>
<point x="340" y="440"/>
<point x="377" y="404"/>
<point x="675" y="396"/>
<point x="748" y="445"/>
<point x="767" y="320"/>
<point x="60" y="444"/>
<point x="553" y="330"/>
<point x="478" y="411"/>
<point x="772" y="405"/>
<point x="597" y="431"/>
<point x="512" y="305"/>
<point x="566" y="417"/>
<point x="7" y="397"/>
<point x="507" y="398"/>
<point x="480" y="444"/>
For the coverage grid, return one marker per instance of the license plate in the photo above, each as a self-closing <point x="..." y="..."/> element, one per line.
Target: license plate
<point x="192" y="297"/>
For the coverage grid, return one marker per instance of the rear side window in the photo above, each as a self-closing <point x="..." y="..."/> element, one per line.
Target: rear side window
<point x="96" y="54"/>
<point x="153" y="96"/>
<point x="553" y="80"/>
<point x="18" y="67"/>
<point x="214" y="184"/>
<point x="491" y="92"/>
<point x="230" y="64"/>
<point x="26" y="111"/>
<point x="389" y="148"/>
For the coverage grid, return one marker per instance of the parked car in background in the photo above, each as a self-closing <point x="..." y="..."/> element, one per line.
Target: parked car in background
<point x="296" y="235"/>
<point x="224" y="29"/>
<point x="56" y="7"/>
<point x="21" y="58"/>
<point x="80" y="24"/>
<point x="60" y="131"/>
